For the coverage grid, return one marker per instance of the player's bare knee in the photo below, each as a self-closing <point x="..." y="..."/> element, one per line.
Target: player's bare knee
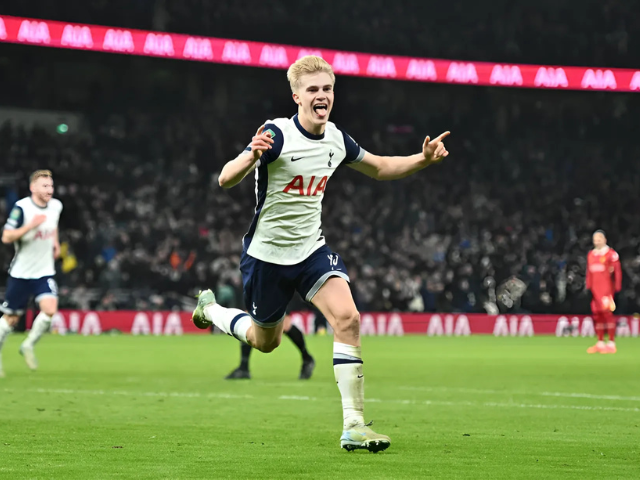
<point x="49" y="306"/>
<point x="11" y="319"/>
<point x="348" y="325"/>
<point x="268" y="346"/>
<point x="50" y="311"/>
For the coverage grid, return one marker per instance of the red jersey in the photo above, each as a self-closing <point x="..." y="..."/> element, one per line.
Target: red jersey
<point x="604" y="277"/>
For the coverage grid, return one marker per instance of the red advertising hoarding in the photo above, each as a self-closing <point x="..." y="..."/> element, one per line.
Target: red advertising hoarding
<point x="258" y="54"/>
<point x="390" y="323"/>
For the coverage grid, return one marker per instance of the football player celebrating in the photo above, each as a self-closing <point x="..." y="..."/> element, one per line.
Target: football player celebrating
<point x="284" y="249"/>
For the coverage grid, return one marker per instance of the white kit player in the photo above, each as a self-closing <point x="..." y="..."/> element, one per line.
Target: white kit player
<point x="284" y="249"/>
<point x="32" y="227"/>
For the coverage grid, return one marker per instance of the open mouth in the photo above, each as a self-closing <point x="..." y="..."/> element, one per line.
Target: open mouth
<point x="321" y="109"/>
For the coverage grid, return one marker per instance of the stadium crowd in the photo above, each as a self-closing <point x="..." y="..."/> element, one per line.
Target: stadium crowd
<point x="503" y="225"/>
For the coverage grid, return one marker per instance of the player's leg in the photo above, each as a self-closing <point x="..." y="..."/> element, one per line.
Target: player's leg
<point x="46" y="292"/>
<point x="7" y="322"/>
<point x="598" y="320"/>
<point x="324" y="284"/>
<point x="321" y="323"/>
<point x="610" y="321"/>
<point x="335" y="302"/>
<point x="297" y="337"/>
<point x="267" y="290"/>
<point x="242" y="372"/>
<point x="236" y="323"/>
<point x="16" y="297"/>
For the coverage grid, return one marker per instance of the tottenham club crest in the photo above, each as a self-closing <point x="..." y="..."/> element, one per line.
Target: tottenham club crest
<point x="330" y="157"/>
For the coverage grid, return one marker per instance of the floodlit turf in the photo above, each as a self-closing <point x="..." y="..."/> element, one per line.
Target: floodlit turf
<point x="478" y="407"/>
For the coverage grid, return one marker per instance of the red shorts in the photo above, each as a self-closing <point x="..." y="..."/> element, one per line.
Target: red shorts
<point x="602" y="303"/>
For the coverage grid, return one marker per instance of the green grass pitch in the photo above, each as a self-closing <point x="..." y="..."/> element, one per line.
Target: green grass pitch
<point x="478" y="407"/>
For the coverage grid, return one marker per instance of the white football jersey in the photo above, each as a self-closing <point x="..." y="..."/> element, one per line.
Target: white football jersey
<point x="291" y="179"/>
<point x="34" y="251"/>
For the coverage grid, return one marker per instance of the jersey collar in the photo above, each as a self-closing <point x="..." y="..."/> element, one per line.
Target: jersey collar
<point x="304" y="132"/>
<point x="602" y="251"/>
<point x="36" y="205"/>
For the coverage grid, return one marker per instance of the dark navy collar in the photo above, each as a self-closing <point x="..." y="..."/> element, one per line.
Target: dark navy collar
<point x="304" y="132"/>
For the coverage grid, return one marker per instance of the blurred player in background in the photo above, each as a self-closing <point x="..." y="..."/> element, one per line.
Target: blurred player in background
<point x="604" y="279"/>
<point x="284" y="250"/>
<point x="295" y="335"/>
<point x="32" y="227"/>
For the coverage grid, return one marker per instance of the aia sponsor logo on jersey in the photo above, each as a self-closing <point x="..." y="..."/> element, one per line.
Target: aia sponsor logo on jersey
<point x="301" y="187"/>
<point x="44" y="234"/>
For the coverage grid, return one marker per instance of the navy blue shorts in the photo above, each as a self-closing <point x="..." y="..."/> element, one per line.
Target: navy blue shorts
<point x="268" y="288"/>
<point x="19" y="290"/>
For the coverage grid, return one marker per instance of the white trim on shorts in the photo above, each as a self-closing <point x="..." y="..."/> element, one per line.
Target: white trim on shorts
<point x="8" y="311"/>
<point x="322" y="280"/>
<point x="45" y="295"/>
<point x="267" y="325"/>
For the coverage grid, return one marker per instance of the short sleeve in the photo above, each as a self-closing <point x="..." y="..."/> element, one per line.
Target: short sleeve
<point x="272" y="154"/>
<point x="355" y="153"/>
<point x="16" y="218"/>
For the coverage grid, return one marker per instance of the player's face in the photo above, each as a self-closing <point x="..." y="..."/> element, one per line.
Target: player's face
<point x="599" y="240"/>
<point x="315" y="100"/>
<point x="42" y="188"/>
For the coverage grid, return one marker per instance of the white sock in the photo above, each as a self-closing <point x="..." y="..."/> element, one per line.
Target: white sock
<point x="40" y="325"/>
<point x="347" y="367"/>
<point x="231" y="321"/>
<point x="5" y="330"/>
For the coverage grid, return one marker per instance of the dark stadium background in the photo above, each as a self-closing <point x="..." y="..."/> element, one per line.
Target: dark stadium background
<point x="503" y="225"/>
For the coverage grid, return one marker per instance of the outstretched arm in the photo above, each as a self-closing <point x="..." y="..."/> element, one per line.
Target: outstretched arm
<point x="393" y="168"/>
<point x="238" y="168"/>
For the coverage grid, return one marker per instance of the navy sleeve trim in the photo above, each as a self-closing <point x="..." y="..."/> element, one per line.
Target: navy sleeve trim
<point x="276" y="148"/>
<point x="16" y="218"/>
<point x="355" y="153"/>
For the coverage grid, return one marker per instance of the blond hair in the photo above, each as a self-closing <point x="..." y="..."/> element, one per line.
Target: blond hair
<point x="40" y="173"/>
<point x="306" y="65"/>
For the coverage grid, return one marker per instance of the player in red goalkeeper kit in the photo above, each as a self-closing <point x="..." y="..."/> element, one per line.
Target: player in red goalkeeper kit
<point x="604" y="279"/>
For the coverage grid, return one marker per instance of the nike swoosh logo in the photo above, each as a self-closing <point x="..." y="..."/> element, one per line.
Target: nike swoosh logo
<point x="294" y="159"/>
<point x="360" y="376"/>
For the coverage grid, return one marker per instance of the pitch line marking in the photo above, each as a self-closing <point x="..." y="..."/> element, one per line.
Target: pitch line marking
<point x="541" y="394"/>
<point x="313" y="399"/>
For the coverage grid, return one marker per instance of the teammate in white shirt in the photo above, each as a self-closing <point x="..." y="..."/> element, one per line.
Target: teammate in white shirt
<point x="32" y="227"/>
<point x="284" y="250"/>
